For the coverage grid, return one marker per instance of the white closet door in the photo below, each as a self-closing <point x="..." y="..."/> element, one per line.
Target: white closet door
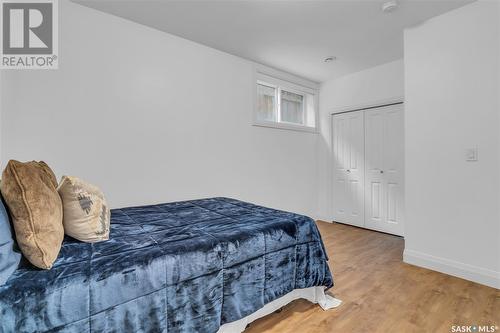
<point x="384" y="156"/>
<point x="348" y="162"/>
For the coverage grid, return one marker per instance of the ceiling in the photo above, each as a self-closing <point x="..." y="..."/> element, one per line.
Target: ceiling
<point x="295" y="36"/>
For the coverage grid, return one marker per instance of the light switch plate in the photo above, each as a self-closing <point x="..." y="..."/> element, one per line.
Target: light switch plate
<point x="471" y="154"/>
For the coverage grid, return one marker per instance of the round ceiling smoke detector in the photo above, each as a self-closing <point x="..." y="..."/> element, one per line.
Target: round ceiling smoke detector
<point x="390" y="6"/>
<point x="330" y="59"/>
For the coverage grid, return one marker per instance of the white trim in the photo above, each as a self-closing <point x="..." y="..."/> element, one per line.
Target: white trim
<point x="465" y="271"/>
<point x="285" y="126"/>
<point x="323" y="218"/>
<point x="314" y="295"/>
<point x="292" y="86"/>
<point x="374" y="104"/>
<point x="278" y="74"/>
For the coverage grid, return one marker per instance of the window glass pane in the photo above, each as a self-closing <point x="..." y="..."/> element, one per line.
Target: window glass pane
<point x="292" y="107"/>
<point x="266" y="103"/>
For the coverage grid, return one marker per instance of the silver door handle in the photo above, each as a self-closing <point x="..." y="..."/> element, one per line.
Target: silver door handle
<point x="348" y="170"/>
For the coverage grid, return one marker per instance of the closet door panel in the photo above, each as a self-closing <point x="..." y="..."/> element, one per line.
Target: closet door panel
<point x="348" y="163"/>
<point x="384" y="169"/>
<point x="393" y="169"/>
<point x="355" y="171"/>
<point x="340" y="189"/>
<point x="374" y="163"/>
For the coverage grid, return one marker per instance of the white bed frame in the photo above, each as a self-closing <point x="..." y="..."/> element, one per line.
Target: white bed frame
<point x="314" y="295"/>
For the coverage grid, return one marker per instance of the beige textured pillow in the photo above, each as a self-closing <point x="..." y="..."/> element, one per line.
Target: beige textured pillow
<point x="86" y="214"/>
<point x="29" y="189"/>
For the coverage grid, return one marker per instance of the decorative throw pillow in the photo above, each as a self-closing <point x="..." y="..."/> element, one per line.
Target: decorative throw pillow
<point x="9" y="259"/>
<point x="86" y="214"/>
<point x="30" y="192"/>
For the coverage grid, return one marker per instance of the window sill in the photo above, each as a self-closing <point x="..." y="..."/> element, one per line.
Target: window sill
<point x="283" y="126"/>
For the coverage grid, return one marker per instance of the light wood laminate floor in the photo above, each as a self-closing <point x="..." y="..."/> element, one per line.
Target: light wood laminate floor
<point x="380" y="293"/>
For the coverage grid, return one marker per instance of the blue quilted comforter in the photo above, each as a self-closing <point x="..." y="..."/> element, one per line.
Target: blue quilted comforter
<point x="178" y="267"/>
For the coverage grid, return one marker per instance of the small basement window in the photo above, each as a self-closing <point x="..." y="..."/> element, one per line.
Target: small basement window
<point x="283" y="104"/>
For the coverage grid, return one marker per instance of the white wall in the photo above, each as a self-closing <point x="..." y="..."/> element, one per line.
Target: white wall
<point x="368" y="87"/>
<point x="150" y="117"/>
<point x="452" y="103"/>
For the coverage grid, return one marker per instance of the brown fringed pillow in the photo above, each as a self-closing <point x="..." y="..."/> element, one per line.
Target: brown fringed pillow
<point x="86" y="214"/>
<point x="30" y="191"/>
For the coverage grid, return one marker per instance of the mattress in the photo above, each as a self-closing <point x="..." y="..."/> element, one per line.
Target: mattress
<point x="188" y="266"/>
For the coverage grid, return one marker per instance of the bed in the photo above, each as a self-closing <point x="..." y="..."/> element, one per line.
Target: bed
<point x="208" y="265"/>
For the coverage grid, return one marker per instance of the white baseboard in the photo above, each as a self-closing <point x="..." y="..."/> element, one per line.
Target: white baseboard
<point x="322" y="218"/>
<point x="476" y="274"/>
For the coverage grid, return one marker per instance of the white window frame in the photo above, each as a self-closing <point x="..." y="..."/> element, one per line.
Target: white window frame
<point x="304" y="102"/>
<point x="276" y="101"/>
<point x="296" y="88"/>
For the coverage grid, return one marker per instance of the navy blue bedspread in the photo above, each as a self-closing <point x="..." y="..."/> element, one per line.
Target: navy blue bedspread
<point x="178" y="267"/>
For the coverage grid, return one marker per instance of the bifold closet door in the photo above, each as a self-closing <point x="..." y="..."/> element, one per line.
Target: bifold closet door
<point x="348" y="164"/>
<point x="384" y="158"/>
